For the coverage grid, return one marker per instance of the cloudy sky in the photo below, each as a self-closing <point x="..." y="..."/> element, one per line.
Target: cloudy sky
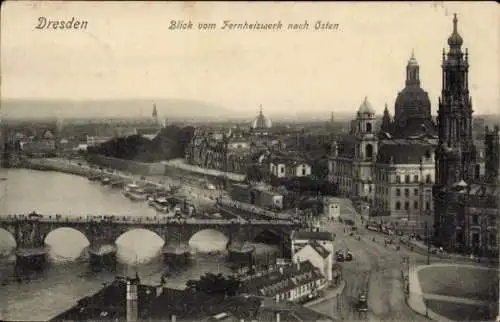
<point x="128" y="51"/>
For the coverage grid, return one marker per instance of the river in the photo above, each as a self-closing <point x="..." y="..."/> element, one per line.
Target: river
<point x="67" y="277"/>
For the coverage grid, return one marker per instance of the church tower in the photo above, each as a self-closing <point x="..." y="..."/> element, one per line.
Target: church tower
<point x="456" y="153"/>
<point x="155" y="115"/>
<point x="365" y="151"/>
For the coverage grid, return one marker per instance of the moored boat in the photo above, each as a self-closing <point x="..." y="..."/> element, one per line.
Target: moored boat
<point x="105" y="181"/>
<point x="135" y="192"/>
<point x="160" y="204"/>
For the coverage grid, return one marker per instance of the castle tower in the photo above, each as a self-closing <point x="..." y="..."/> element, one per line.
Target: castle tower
<point x="132" y="299"/>
<point x="456" y="153"/>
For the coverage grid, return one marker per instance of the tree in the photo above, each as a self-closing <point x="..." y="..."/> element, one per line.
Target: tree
<point x="216" y="284"/>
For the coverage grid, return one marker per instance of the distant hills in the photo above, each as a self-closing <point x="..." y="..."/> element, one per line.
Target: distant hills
<point x="170" y="109"/>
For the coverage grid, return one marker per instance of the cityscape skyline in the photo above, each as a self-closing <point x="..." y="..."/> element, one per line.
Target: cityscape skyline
<point x="212" y="67"/>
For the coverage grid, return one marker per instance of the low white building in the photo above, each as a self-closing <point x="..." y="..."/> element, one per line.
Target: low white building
<point x="319" y="257"/>
<point x="331" y="208"/>
<point x="301" y="238"/>
<point x="282" y="168"/>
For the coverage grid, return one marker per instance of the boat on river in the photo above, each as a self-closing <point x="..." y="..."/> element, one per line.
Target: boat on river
<point x="135" y="192"/>
<point x="160" y="204"/>
<point x="105" y="181"/>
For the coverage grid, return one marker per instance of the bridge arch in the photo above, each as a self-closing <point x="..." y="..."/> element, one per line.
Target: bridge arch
<point x="7" y="242"/>
<point x="208" y="239"/>
<point x="65" y="243"/>
<point x="138" y="245"/>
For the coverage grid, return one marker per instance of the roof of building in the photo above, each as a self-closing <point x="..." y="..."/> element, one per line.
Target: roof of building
<point x="322" y="251"/>
<point x="404" y="151"/>
<point x="108" y="303"/>
<point x="184" y="304"/>
<point x="365" y="107"/>
<point x="281" y="280"/>
<point x="312" y="235"/>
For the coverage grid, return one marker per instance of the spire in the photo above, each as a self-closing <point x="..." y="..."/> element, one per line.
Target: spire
<point x="386" y="120"/>
<point x="455" y="40"/>
<point x="155" y="112"/>
<point x="261" y="112"/>
<point x="412" y="53"/>
<point x="455" y="21"/>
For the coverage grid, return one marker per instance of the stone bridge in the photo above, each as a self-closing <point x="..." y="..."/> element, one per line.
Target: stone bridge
<point x="30" y="231"/>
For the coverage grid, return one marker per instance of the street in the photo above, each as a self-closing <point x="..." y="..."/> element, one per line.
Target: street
<point x="376" y="270"/>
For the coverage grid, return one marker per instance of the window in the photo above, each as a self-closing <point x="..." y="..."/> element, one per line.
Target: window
<point x="415" y="192"/>
<point x="407" y="192"/>
<point x="415" y="205"/>
<point x="475" y="220"/>
<point x="407" y="179"/>
<point x="407" y="205"/>
<point x="303" y="171"/>
<point x="398" y="179"/>
<point x="369" y="151"/>
<point x="282" y="169"/>
<point x="368" y="127"/>
<point x="415" y="178"/>
<point x="427" y="206"/>
<point x="428" y="178"/>
<point x="398" y="192"/>
<point x="398" y="205"/>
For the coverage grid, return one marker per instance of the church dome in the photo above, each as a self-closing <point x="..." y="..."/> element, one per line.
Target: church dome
<point x="455" y="40"/>
<point x="262" y="122"/>
<point x="365" y="108"/>
<point x="413" y="97"/>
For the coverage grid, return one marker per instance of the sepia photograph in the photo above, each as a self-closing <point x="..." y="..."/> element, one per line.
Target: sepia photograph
<point x="189" y="161"/>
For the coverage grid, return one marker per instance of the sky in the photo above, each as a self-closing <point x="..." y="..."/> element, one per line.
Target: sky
<point x="128" y="52"/>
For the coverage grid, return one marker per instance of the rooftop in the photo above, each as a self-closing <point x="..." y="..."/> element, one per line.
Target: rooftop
<point x="313" y="235"/>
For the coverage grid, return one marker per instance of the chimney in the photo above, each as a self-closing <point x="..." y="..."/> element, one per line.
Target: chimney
<point x="278" y="317"/>
<point x="132" y="310"/>
<point x="173" y="318"/>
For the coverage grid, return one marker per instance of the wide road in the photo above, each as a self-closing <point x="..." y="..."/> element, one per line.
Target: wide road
<point x="376" y="270"/>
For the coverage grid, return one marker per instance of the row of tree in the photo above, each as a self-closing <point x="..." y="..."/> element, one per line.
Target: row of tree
<point x="171" y="142"/>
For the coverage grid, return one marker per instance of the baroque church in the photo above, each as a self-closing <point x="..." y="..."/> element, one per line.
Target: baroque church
<point x="392" y="169"/>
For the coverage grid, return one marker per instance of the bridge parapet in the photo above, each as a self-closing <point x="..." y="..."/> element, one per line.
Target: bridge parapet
<point x="30" y="231"/>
